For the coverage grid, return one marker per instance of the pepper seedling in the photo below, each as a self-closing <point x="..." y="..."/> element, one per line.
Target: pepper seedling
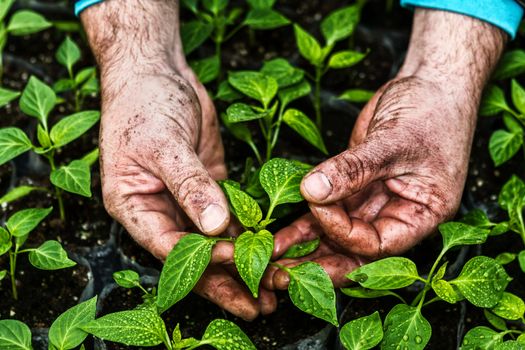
<point x="49" y="256"/>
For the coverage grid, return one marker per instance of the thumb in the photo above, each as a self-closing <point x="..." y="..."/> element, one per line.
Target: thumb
<point x="348" y="172"/>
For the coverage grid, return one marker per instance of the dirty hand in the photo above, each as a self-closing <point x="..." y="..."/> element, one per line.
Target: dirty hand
<point x="160" y="145"/>
<point x="407" y="160"/>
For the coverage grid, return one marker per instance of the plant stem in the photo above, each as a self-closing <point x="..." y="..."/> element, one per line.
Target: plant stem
<point x="77" y="100"/>
<point x="421" y="296"/>
<point x="256" y="151"/>
<point x="317" y="96"/>
<point x="58" y="191"/>
<point x="12" y="271"/>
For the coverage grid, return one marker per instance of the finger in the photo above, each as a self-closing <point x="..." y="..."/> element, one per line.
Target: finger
<point x="267" y="301"/>
<point x="219" y="287"/>
<point x="304" y="229"/>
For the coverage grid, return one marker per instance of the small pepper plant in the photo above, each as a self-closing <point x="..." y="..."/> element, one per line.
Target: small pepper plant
<point x="13" y="236"/>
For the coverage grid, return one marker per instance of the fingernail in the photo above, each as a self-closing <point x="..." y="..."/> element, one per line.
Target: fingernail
<point x="318" y="186"/>
<point x="212" y="217"/>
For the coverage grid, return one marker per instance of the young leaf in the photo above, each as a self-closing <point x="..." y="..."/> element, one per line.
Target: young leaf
<point x="5" y="241"/>
<point x="363" y="293"/>
<point x="281" y="178"/>
<point x="388" y="273"/>
<point x="283" y="72"/>
<point x="37" y="100"/>
<point x="512" y="123"/>
<point x="521" y="260"/>
<point x="50" y="256"/>
<point x="245" y="207"/>
<point x="512" y="193"/>
<point x="140" y="327"/>
<point x="345" y="59"/>
<point x="493" y="101"/>
<point x="13" y="142"/>
<point x="91" y="157"/>
<point x="261" y="4"/>
<point x="305" y="127"/>
<point x="43" y="137"/>
<point x="405" y="327"/>
<point x="183" y="268"/>
<point x="193" y="34"/>
<point x="510" y="307"/>
<point x="74" y="177"/>
<point x="252" y="255"/>
<point x="363" y="333"/>
<point x="477" y="217"/>
<point x="340" y="24"/>
<point x="68" y="54"/>
<point x="503" y="145"/>
<point x="126" y="278"/>
<point x="14" y="335"/>
<point x="302" y="249"/>
<point x="5" y="6"/>
<point x="262" y="19"/>
<point x="241" y="112"/>
<point x="3" y="273"/>
<point x="496" y="321"/>
<point x="511" y="65"/>
<point x="481" y="338"/>
<point x="312" y="291"/>
<point x="505" y="258"/>
<point x="191" y="5"/>
<point x="294" y="92"/>
<point x="24" y="221"/>
<point x="357" y="95"/>
<point x="226" y="335"/>
<point x="66" y="331"/>
<point x="215" y="6"/>
<point x="458" y="233"/>
<point x="72" y="127"/>
<point x="227" y="93"/>
<point x="24" y="22"/>
<point x="7" y="96"/>
<point x="85" y="74"/>
<point x="510" y="345"/>
<point x="308" y="46"/>
<point x="446" y="291"/>
<point x="518" y="96"/>
<point x="238" y="130"/>
<point x="207" y="69"/>
<point x="482" y="281"/>
<point x="63" y="85"/>
<point x="255" y="85"/>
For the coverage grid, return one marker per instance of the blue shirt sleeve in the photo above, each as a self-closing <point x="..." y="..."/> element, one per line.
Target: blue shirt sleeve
<point x="81" y="5"/>
<point x="505" y="14"/>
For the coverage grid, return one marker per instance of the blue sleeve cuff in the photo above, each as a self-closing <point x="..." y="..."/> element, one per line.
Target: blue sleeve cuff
<point x="505" y="14"/>
<point x="81" y="5"/>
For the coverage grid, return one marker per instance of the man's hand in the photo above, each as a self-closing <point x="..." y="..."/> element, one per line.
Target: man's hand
<point x="407" y="160"/>
<point x="160" y="145"/>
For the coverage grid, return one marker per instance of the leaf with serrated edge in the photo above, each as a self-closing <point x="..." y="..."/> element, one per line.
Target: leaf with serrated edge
<point x="127" y="278"/>
<point x="50" y="256"/>
<point x="388" y="273"/>
<point x="363" y="333"/>
<point x="226" y="335"/>
<point x="302" y="249"/>
<point x="66" y="332"/>
<point x="14" y="335"/>
<point x="510" y="307"/>
<point x="482" y="338"/>
<point x="404" y="326"/>
<point x="183" y="269"/>
<point x="72" y="127"/>
<point x="305" y="127"/>
<point x="24" y="221"/>
<point x="252" y="255"/>
<point x="74" y="177"/>
<point x="13" y="142"/>
<point x="312" y="291"/>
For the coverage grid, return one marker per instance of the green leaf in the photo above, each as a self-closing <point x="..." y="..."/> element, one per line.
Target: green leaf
<point x="193" y="34"/>
<point x="245" y="207"/>
<point x="14" y="335"/>
<point x="5" y="6"/>
<point x="496" y="321"/>
<point x="294" y="92"/>
<point x="363" y="333"/>
<point x="63" y="85"/>
<point x="37" y="100"/>
<point x="305" y="127"/>
<point x="85" y="74"/>
<point x="518" y="96"/>
<point x="500" y="228"/>
<point x="191" y="5"/>
<point x="5" y="241"/>
<point x="226" y="335"/>
<point x="91" y="157"/>
<point x="345" y="59"/>
<point x="503" y="145"/>
<point x="458" y="233"/>
<point x="7" y="95"/>
<point x="72" y="127"/>
<point x="127" y="278"/>
<point x="478" y="218"/>
<point x="262" y="19"/>
<point x="510" y="307"/>
<point x="25" y="22"/>
<point x="50" y="256"/>
<point x="482" y="338"/>
<point x="511" y="65"/>
<point x="68" y="54"/>
<point x="388" y="273"/>
<point x="74" y="177"/>
<point x="3" y="274"/>
<point x="261" y="4"/>
<point x="308" y="46"/>
<point x="312" y="291"/>
<point x="357" y="95"/>
<point x="446" y="291"/>
<point x="252" y="255"/>
<point x="510" y="345"/>
<point x="43" y="137"/>
<point x="512" y="193"/>
<point x="521" y="260"/>
<point x="302" y="249"/>
<point x="340" y="24"/>
<point x="215" y="6"/>
<point x="363" y="293"/>
<point x="482" y="281"/>
<point x="521" y="338"/>
<point x="140" y="327"/>
<point x="241" y="112"/>
<point x="493" y="101"/>
<point x="66" y="331"/>
<point x="404" y="326"/>
<point x="13" y="142"/>
<point x="67" y="26"/>
<point x="283" y="72"/>
<point x="207" y="69"/>
<point x="183" y="269"/>
<point x="512" y="124"/>
<point x="238" y="130"/>
<point x="24" y="221"/>
<point x="256" y="85"/>
<point x="227" y="93"/>
<point x="505" y="258"/>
